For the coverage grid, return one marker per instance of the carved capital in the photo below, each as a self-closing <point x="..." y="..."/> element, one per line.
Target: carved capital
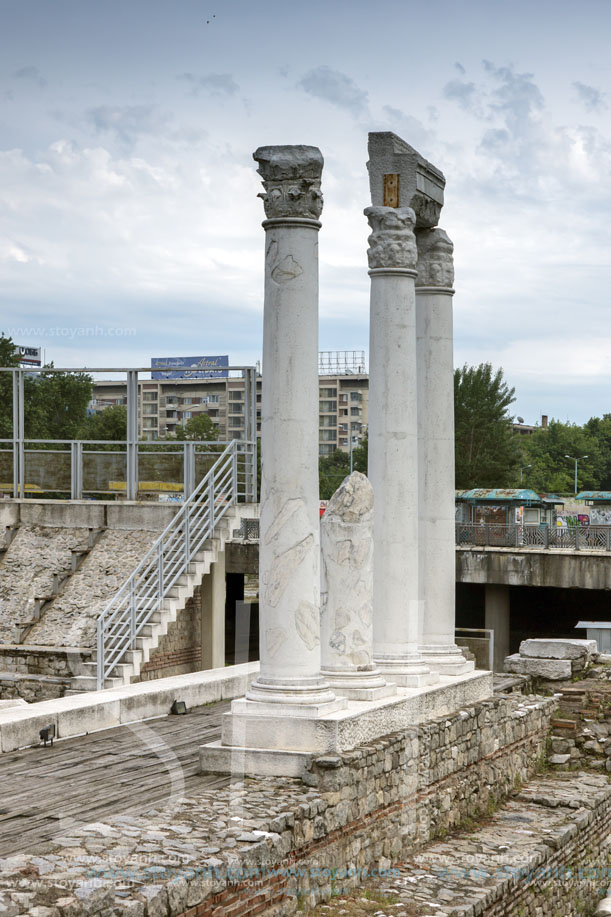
<point x="291" y="178"/>
<point x="435" y="262"/>
<point x="392" y="243"/>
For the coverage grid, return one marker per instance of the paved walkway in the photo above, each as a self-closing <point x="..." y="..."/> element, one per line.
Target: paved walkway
<point x="46" y="791"/>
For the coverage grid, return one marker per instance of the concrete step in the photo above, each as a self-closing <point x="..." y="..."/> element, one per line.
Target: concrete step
<point x="82" y="683"/>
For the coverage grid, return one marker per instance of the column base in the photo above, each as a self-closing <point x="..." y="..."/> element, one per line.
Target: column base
<point x="361" y="684"/>
<point x="446" y="659"/>
<point x="408" y="671"/>
<point x="300" y="697"/>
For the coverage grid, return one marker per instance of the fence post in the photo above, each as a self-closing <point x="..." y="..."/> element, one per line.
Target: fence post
<point x="100" y="654"/>
<point x="234" y="471"/>
<point x="188" y="469"/>
<point x="160" y="584"/>
<point x="76" y="470"/>
<point x="132" y="612"/>
<point x="187" y="534"/>
<point x="211" y="501"/>
<point x="132" y="435"/>
<point x="608" y="537"/>
<point x="546" y="536"/>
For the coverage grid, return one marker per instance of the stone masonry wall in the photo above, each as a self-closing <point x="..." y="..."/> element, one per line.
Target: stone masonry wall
<point x="71" y="618"/>
<point x="33" y="688"/>
<point x="35" y="555"/>
<point x="180" y="650"/>
<point x="267" y="843"/>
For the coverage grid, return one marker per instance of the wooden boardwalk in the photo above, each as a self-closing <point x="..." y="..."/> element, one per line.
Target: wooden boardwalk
<point x="45" y="791"/>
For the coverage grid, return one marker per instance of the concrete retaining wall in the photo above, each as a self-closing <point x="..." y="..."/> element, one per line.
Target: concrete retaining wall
<point x="94" y="710"/>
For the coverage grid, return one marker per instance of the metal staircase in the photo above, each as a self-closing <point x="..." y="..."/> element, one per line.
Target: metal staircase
<point x="140" y="612"/>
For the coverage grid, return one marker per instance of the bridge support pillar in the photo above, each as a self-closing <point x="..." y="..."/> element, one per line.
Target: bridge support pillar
<point x="437" y="552"/>
<point x="497" y="619"/>
<point x="393" y="446"/>
<point x="213" y="615"/>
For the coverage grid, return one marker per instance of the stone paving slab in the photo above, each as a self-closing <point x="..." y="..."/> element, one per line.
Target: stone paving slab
<point x="468" y="873"/>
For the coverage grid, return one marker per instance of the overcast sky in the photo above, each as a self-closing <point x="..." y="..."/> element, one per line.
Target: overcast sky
<point x="129" y="222"/>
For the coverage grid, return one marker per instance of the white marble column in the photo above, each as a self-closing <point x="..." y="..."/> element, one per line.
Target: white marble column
<point x="436" y="452"/>
<point x="289" y="552"/>
<point x="347" y="593"/>
<point x="393" y="446"/>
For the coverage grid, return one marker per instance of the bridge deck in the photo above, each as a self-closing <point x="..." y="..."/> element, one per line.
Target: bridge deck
<point x="45" y="791"/>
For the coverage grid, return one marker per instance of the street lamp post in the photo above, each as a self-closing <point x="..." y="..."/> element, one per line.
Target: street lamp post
<point x="522" y="471"/>
<point x="576" y="460"/>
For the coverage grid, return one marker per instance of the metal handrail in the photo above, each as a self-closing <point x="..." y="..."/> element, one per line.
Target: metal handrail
<point x="521" y="535"/>
<point x="132" y="607"/>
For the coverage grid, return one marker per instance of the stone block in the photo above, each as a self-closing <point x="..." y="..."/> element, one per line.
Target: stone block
<point x="552" y="669"/>
<point x="86" y="714"/>
<point x="23" y="728"/>
<point x="63" y="514"/>
<point x="559" y="759"/>
<point x="539" y="648"/>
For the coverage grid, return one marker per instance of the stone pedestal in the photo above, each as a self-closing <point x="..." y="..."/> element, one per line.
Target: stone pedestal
<point x="437" y="551"/>
<point x="347" y="593"/>
<point x="393" y="446"/>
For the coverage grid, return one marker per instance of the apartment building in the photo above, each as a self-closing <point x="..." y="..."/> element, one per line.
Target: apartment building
<point x="164" y="405"/>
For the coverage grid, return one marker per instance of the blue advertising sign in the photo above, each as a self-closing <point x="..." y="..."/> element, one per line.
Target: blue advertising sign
<point x="190" y="367"/>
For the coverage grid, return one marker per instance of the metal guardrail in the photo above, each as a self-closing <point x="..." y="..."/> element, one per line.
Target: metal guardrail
<point x="571" y="538"/>
<point x="141" y="595"/>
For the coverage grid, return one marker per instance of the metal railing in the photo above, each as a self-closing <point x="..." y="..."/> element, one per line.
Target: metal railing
<point x="126" y="615"/>
<point x="571" y="538"/>
<point x="80" y="468"/>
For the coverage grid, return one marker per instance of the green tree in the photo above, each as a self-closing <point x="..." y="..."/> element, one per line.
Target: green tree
<point x="57" y="404"/>
<point x="332" y="469"/>
<point x="551" y="471"/>
<point x="486" y="449"/>
<point x="8" y="358"/>
<point x="197" y="428"/>
<point x="111" y="423"/>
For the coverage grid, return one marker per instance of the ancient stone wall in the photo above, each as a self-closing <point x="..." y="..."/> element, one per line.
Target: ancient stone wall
<point x="271" y="842"/>
<point x="71" y="618"/>
<point x="180" y="650"/>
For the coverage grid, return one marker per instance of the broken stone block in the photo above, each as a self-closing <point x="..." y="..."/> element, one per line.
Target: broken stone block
<point x="539" y="648"/>
<point x="552" y="669"/>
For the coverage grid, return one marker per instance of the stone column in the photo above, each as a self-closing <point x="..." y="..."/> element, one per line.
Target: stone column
<point x="347" y="593"/>
<point x="393" y="445"/>
<point x="436" y="452"/>
<point x="289" y="560"/>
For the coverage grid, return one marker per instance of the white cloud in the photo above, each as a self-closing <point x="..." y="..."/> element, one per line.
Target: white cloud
<point x="337" y="88"/>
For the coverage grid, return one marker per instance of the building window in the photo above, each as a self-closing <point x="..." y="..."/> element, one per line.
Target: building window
<point x="328" y="407"/>
<point x="187" y="400"/>
<point x="355" y="412"/>
<point x="325" y="449"/>
<point x="327" y="392"/>
<point x="149" y="396"/>
<point x="356" y="396"/>
<point x="236" y="395"/>
<point x="235" y="408"/>
<point x="327" y="435"/>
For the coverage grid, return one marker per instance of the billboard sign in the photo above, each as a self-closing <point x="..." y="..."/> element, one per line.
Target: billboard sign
<point x="29" y="356"/>
<point x="190" y="367"/>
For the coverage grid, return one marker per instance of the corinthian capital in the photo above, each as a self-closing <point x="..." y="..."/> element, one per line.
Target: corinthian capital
<point x="291" y="178"/>
<point x="435" y="262"/>
<point x="392" y="243"/>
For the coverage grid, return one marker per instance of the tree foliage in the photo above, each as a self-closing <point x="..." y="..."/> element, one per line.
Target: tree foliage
<point x="332" y="469"/>
<point x="487" y="453"/>
<point x="111" y="423"/>
<point x="546" y="450"/>
<point x="55" y="404"/>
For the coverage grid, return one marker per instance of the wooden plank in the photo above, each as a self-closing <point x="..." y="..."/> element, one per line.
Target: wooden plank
<point x="127" y="773"/>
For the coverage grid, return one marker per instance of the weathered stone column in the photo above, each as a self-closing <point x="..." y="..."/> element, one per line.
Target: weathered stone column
<point x="289" y="561"/>
<point x="436" y="452"/>
<point x="393" y="445"/>
<point x="347" y="593"/>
